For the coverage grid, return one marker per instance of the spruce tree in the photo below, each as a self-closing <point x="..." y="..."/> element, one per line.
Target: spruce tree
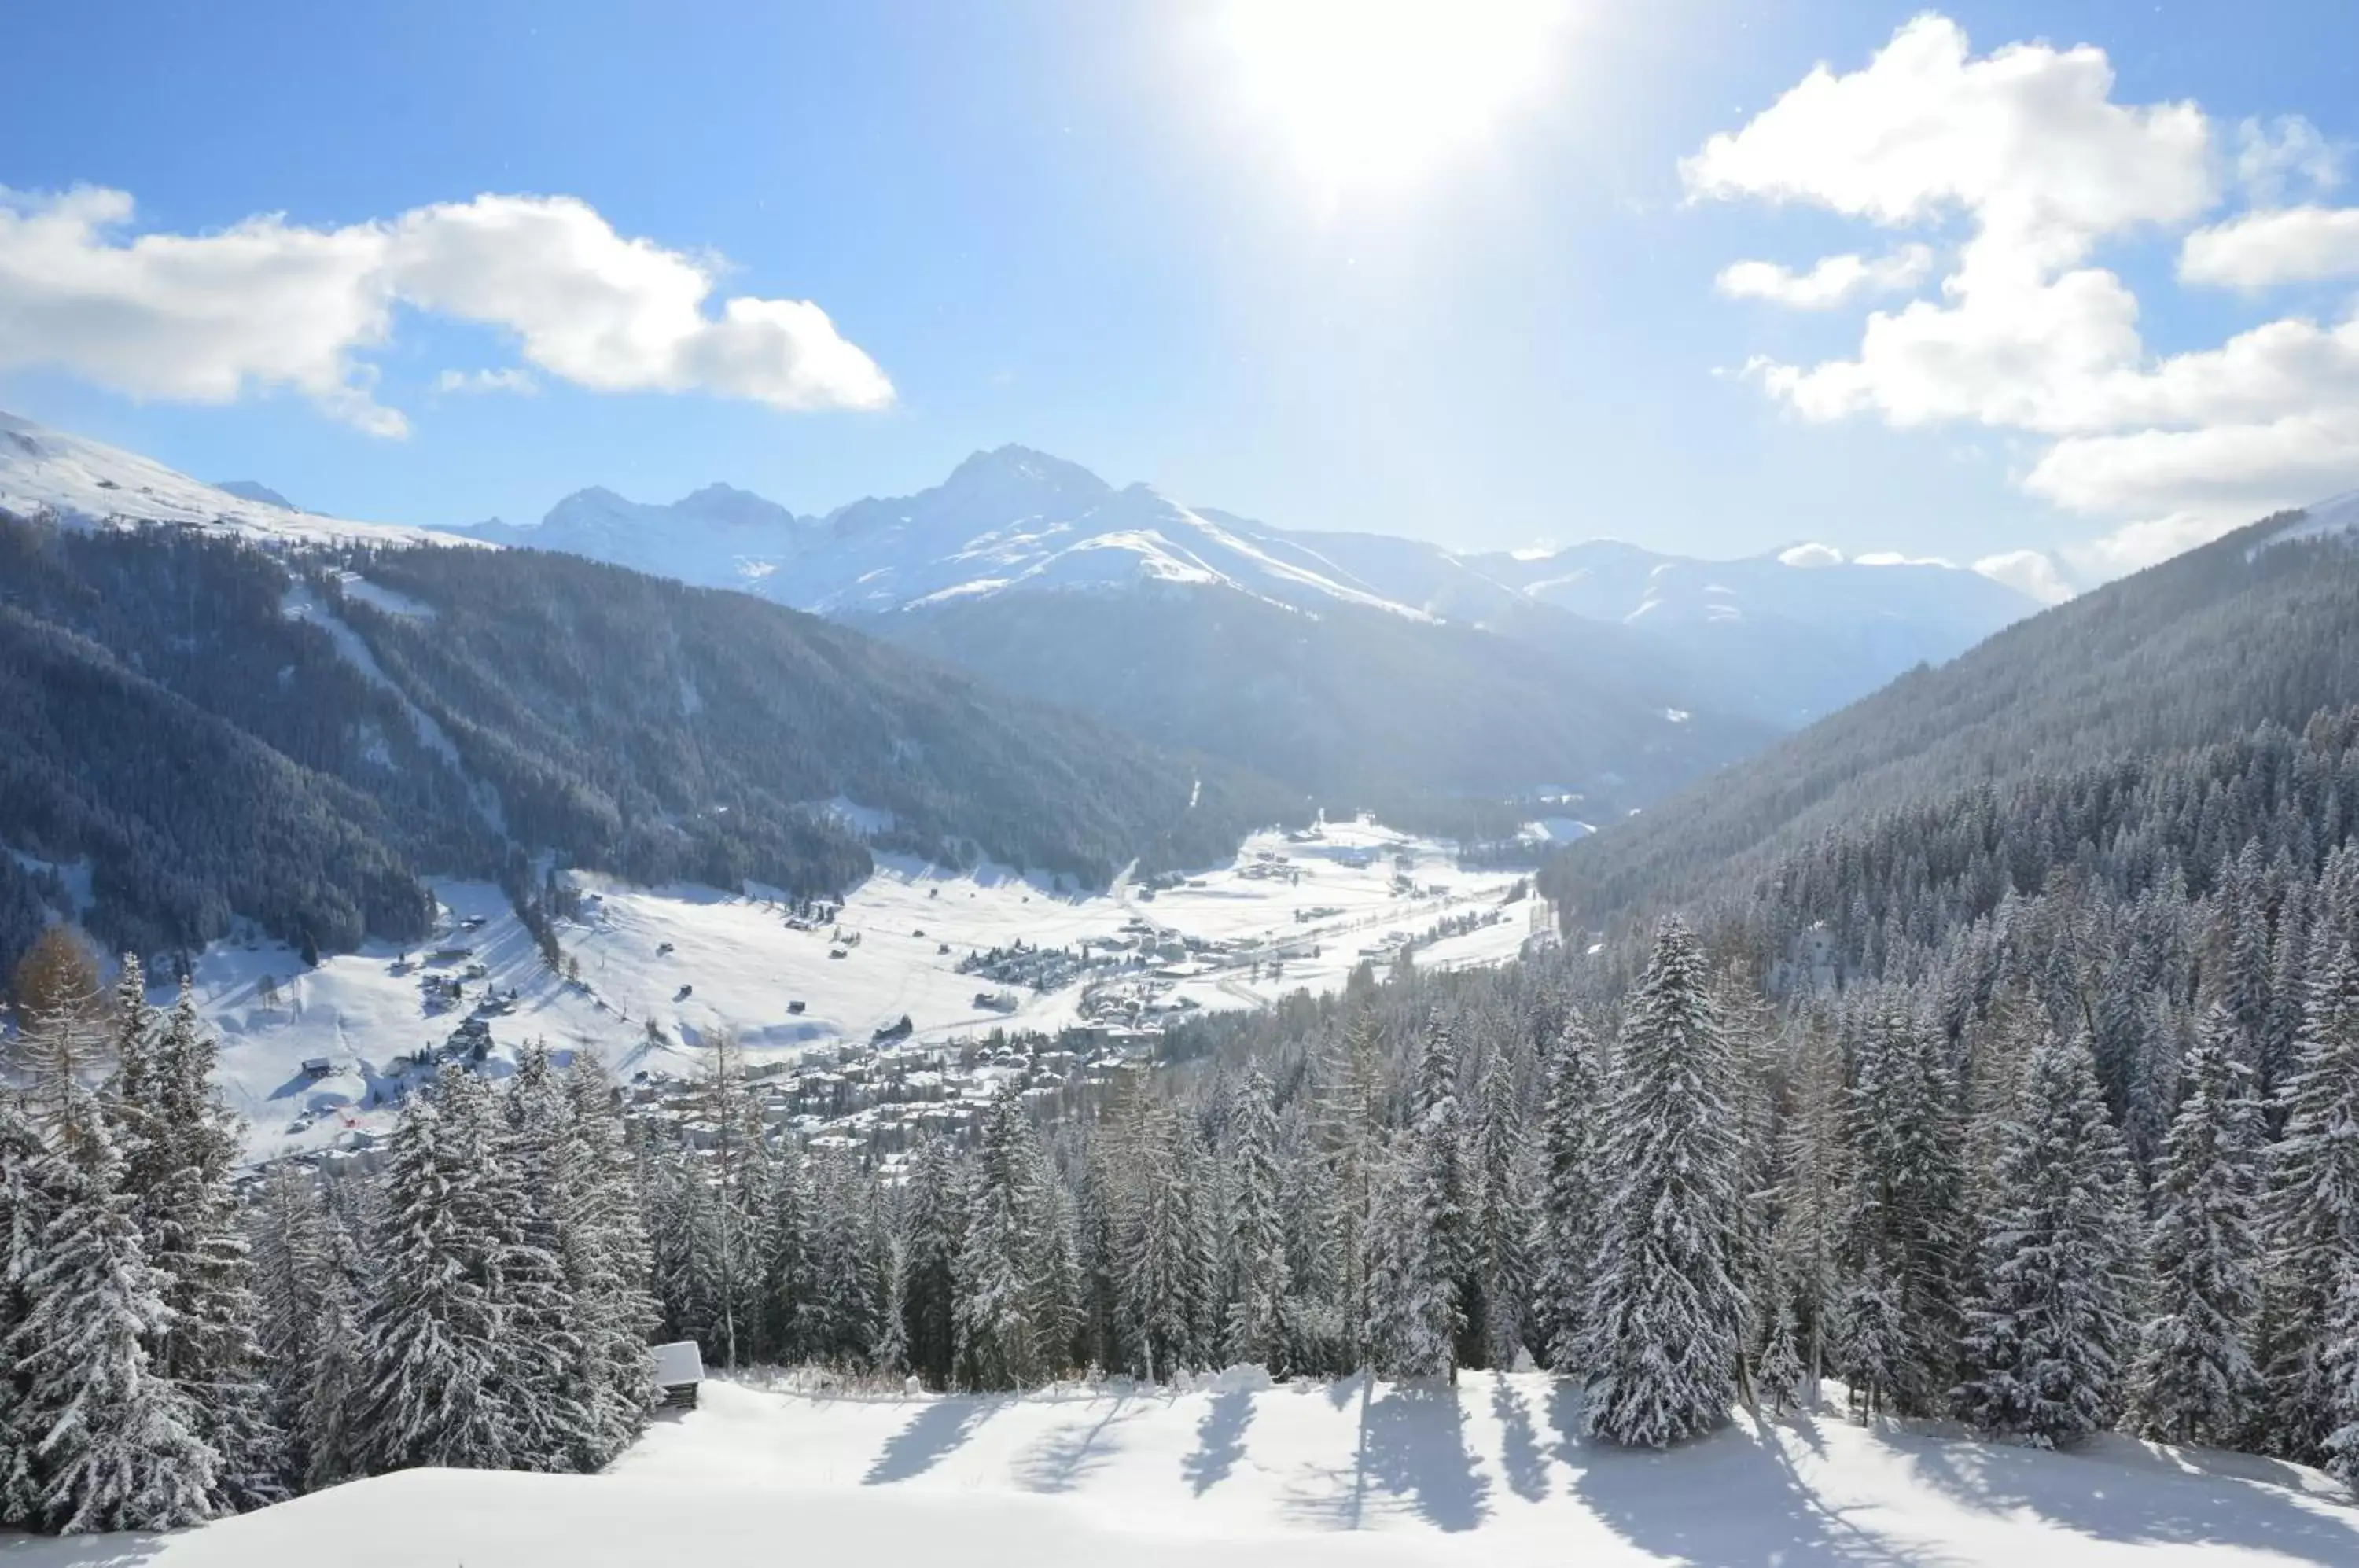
<point x="608" y="1262"/>
<point x="1666" y="1316"/>
<point x="1257" y="1273"/>
<point x="1000" y="1342"/>
<point x="2194" y="1380"/>
<point x="1437" y="1250"/>
<point x="934" y="1238"/>
<point x="2312" y="1215"/>
<point x="1503" y="1216"/>
<point x="2048" y="1335"/>
<point x="114" y="1444"/>
<point x="430" y="1364"/>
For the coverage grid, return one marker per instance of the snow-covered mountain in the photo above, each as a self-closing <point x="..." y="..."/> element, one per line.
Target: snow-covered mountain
<point x="718" y="538"/>
<point x="86" y="482"/>
<point x="1005" y="521"/>
<point x="1784" y="636"/>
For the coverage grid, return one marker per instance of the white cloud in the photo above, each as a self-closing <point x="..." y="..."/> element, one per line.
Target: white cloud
<point x="2270" y="158"/>
<point x="2025" y="146"/>
<point x="1897" y="558"/>
<point x="1811" y="556"/>
<point x="2030" y="573"/>
<point x="508" y="379"/>
<point x="1831" y="282"/>
<point x="2286" y="244"/>
<point x="265" y="304"/>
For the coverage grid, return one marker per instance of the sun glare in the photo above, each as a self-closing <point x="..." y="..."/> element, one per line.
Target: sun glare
<point x="1377" y="91"/>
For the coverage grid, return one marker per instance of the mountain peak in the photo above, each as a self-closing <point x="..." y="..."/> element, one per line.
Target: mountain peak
<point x="255" y="490"/>
<point x="1011" y="467"/>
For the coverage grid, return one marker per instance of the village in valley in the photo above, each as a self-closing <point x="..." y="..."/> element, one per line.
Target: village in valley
<point x="861" y="1024"/>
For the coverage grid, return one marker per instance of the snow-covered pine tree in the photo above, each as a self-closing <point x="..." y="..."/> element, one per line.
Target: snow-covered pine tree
<point x="188" y="1215"/>
<point x="287" y="1227"/>
<point x="2339" y="1364"/>
<point x="999" y="1334"/>
<point x="791" y="1263"/>
<point x="542" y="1371"/>
<point x="1255" y="1252"/>
<point x="328" y="1429"/>
<point x="608" y="1264"/>
<point x="429" y="1390"/>
<point x="1165" y="1274"/>
<point x="1872" y="1341"/>
<point x="2312" y="1215"/>
<point x="933" y="1238"/>
<point x="2194" y="1380"/>
<point x="1667" y="1316"/>
<point x="2049" y="1333"/>
<point x="24" y="1216"/>
<point x="1813" y="1186"/>
<point x="1438" y="1254"/>
<point x="1782" y="1380"/>
<point x="1054" y="1263"/>
<point x="846" y="1250"/>
<point x="115" y="1444"/>
<point x="1503" y="1217"/>
<point x="1572" y="1154"/>
<point x="1908" y="1193"/>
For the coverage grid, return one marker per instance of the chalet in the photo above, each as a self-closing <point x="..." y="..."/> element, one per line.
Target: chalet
<point x="317" y="1067"/>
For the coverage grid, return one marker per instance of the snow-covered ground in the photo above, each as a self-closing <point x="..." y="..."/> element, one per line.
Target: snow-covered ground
<point x="695" y="961"/>
<point x="1289" y="1476"/>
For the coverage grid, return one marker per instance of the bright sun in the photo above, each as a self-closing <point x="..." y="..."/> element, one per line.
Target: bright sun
<point x="1376" y="92"/>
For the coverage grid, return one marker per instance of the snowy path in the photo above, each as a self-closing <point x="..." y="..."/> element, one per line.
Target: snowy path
<point x="1280" y="1478"/>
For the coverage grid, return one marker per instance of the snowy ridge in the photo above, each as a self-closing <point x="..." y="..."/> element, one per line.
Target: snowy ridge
<point x="1369" y="1474"/>
<point x="91" y="483"/>
<point x="2337" y="515"/>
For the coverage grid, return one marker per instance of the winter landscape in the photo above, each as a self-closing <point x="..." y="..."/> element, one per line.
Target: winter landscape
<point x="1323" y="832"/>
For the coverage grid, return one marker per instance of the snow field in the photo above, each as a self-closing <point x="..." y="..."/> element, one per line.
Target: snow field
<point x="1281" y="1477"/>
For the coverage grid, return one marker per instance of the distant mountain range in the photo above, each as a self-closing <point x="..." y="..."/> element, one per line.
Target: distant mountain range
<point x="1604" y="670"/>
<point x="1360" y="669"/>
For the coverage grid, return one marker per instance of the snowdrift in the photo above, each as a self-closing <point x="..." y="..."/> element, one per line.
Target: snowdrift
<point x="1287" y="1477"/>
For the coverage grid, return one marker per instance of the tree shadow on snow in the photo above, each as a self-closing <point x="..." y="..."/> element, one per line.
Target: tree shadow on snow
<point x="1731" y="1498"/>
<point x="2118" y="1489"/>
<point x="932" y="1436"/>
<point x="80" y="1551"/>
<point x="1520" y="1454"/>
<point x="1412" y="1453"/>
<point x="1064" y="1459"/>
<point x="1220" y="1440"/>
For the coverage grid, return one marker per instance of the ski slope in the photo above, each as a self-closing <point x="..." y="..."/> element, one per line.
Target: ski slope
<point x="1295" y="1476"/>
<point x="697" y="960"/>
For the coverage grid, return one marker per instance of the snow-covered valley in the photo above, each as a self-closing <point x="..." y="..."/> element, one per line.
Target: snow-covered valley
<point x="1356" y="1471"/>
<point x="692" y="962"/>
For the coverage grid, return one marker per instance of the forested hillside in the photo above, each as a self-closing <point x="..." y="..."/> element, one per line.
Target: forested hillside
<point x="203" y="731"/>
<point x="1359" y="706"/>
<point x="2200" y="649"/>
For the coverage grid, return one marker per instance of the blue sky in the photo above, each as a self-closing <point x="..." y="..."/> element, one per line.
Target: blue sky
<point x="1076" y="225"/>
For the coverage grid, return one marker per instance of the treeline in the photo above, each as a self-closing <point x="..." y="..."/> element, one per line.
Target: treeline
<point x="173" y="1355"/>
<point x="213" y="733"/>
<point x="1723" y="1198"/>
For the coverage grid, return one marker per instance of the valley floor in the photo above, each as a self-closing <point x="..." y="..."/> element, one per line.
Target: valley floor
<point x="695" y="961"/>
<point x="1287" y="1476"/>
